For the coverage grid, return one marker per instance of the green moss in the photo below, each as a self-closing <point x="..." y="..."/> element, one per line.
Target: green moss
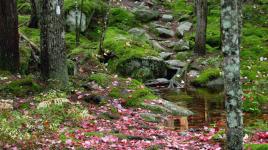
<point x="207" y="75"/>
<point x="96" y="134"/>
<point x="122" y="19"/>
<point x="134" y="93"/>
<point x="101" y="79"/>
<point x="23" y="7"/>
<point x="25" y="55"/>
<point x="256" y="146"/>
<point x="21" y="87"/>
<point x="23" y="19"/>
<point x="179" y="7"/>
<point x="88" y="7"/>
<point x="125" y="47"/>
<point x="32" y="34"/>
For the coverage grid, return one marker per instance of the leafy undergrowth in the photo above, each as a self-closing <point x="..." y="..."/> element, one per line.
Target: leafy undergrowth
<point x="94" y="118"/>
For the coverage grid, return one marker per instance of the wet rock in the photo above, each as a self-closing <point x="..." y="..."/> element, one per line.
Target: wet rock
<point x="71" y="21"/>
<point x="166" y="107"/>
<point x="216" y="84"/>
<point x="183" y="27"/>
<point x="166" y="33"/>
<point x="167" y="17"/>
<point x="145" y="15"/>
<point x="181" y="45"/>
<point x="165" y="55"/>
<point x="175" y="64"/>
<point x="158" y="82"/>
<point x="177" y="110"/>
<point x="137" y="31"/>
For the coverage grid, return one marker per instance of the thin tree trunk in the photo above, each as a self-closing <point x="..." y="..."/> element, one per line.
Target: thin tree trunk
<point x="34" y="21"/>
<point x="200" y="37"/>
<point x="104" y="28"/>
<point x="231" y="30"/>
<point x="9" y="36"/>
<point x="53" y="51"/>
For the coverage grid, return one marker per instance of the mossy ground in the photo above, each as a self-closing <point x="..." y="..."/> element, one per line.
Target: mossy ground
<point x="132" y="91"/>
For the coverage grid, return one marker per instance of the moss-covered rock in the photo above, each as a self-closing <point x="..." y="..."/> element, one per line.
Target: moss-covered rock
<point x="131" y="56"/>
<point x="206" y="76"/>
<point x="145" y="15"/>
<point x="122" y="19"/>
<point x="21" y="87"/>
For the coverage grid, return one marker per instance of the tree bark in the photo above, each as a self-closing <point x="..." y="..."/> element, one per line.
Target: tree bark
<point x="9" y="36"/>
<point x="103" y="30"/>
<point x="35" y="15"/>
<point x="53" y="51"/>
<point x="231" y="29"/>
<point x="201" y="28"/>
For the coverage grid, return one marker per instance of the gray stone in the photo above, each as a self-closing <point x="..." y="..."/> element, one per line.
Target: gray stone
<point x="167" y="17"/>
<point x="175" y="64"/>
<point x="145" y="15"/>
<point x="145" y="68"/>
<point x="157" y="82"/>
<point x="163" y="32"/>
<point x="154" y="43"/>
<point x="165" y="55"/>
<point x="181" y="45"/>
<point x="71" y="20"/>
<point x="183" y="27"/>
<point x="137" y="31"/>
<point x="157" y="25"/>
<point x="216" y="84"/>
<point x="166" y="107"/>
<point x="177" y="110"/>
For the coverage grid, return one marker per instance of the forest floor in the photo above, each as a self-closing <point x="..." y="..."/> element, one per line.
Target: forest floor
<point x="103" y="110"/>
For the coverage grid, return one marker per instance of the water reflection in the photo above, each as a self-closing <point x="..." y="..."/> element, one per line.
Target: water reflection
<point x="208" y="107"/>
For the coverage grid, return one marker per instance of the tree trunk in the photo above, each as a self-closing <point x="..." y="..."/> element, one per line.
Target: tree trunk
<point x="53" y="51"/>
<point x="103" y="30"/>
<point x="231" y="30"/>
<point x="35" y="15"/>
<point x="9" y="36"/>
<point x="200" y="37"/>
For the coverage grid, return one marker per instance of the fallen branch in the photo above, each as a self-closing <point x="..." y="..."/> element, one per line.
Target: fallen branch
<point x="35" y="49"/>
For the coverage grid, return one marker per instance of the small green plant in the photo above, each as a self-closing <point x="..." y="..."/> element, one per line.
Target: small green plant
<point x="101" y="79"/>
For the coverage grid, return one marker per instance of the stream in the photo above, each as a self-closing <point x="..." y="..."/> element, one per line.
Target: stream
<point x="208" y="108"/>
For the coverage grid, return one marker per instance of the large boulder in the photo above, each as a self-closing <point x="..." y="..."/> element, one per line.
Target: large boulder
<point x="183" y="27"/>
<point x="145" y="15"/>
<point x="145" y="68"/>
<point x="71" y="20"/>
